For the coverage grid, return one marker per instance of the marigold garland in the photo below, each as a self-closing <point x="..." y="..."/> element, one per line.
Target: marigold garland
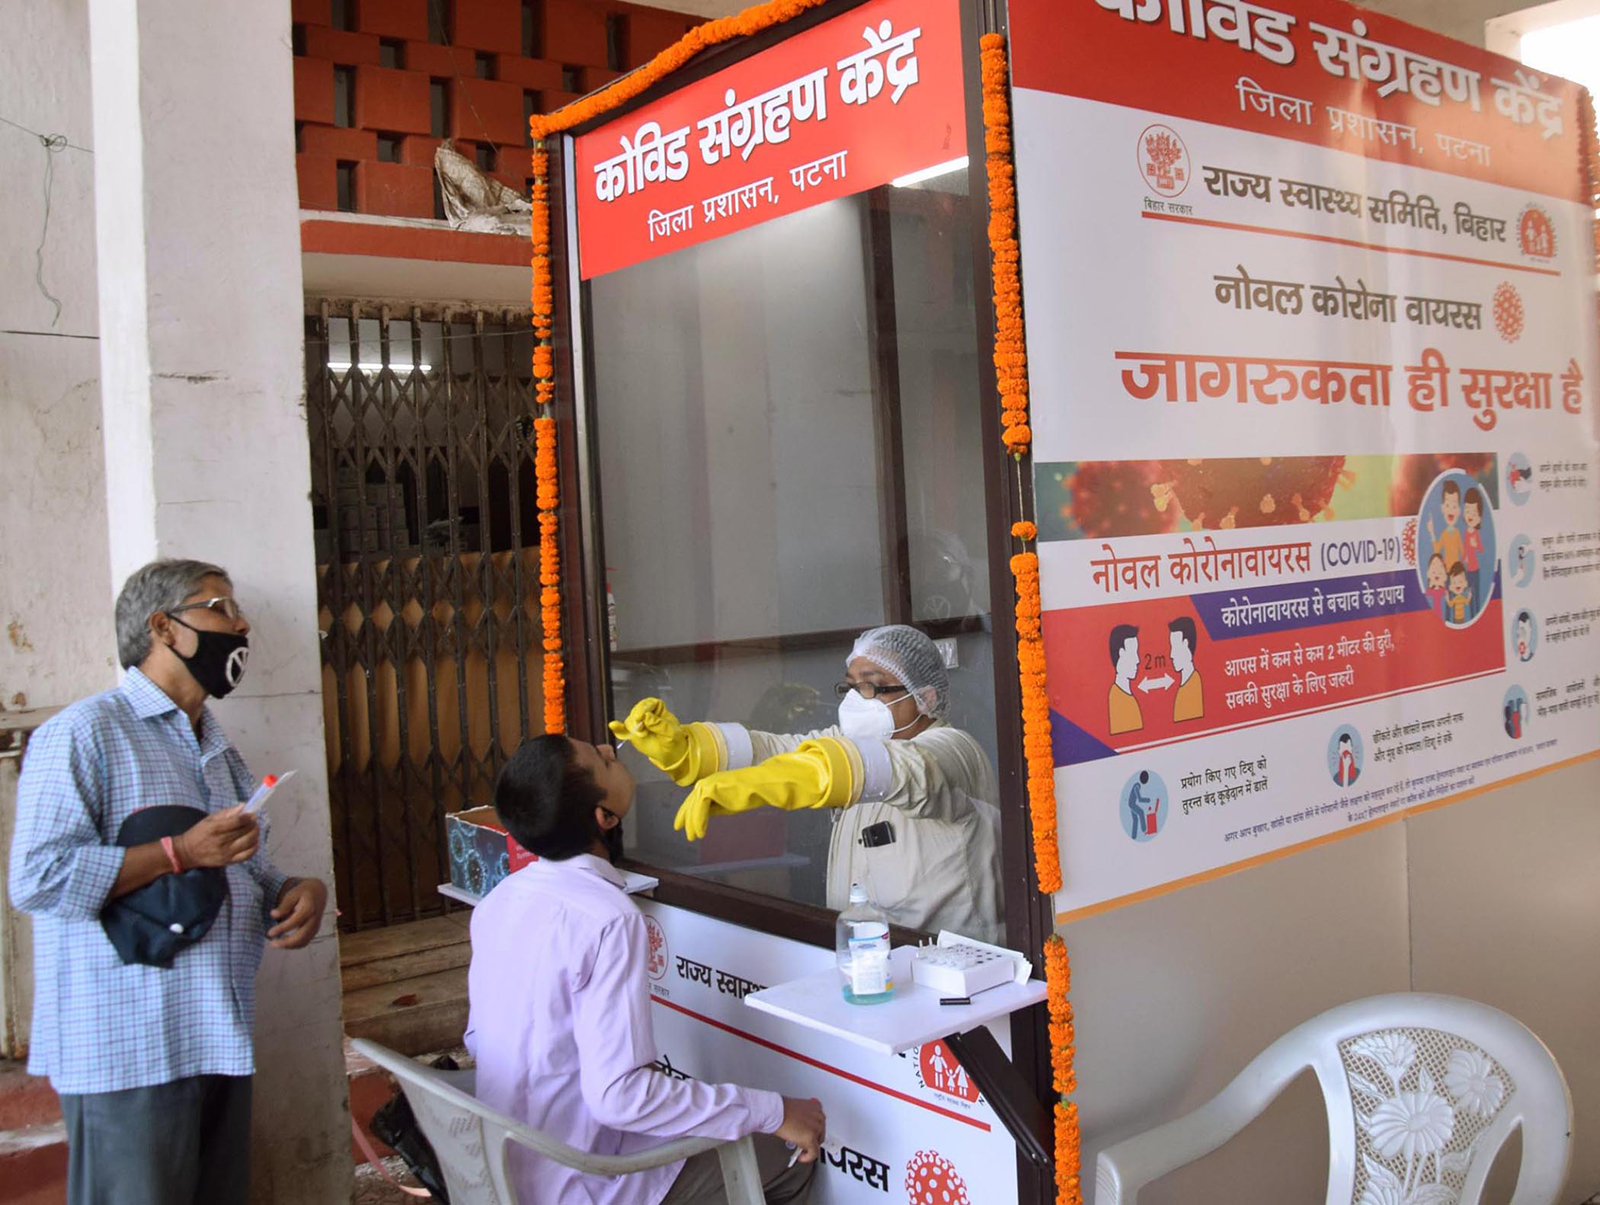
<point x="548" y="498"/>
<point x="1036" y="745"/>
<point x="1058" y="985"/>
<point x="1069" y="1155"/>
<point x="1011" y="379"/>
<point x="545" y="466"/>
<point x="1010" y="354"/>
<point x="702" y="37"/>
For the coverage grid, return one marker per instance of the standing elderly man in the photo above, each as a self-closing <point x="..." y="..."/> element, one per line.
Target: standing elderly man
<point x="153" y="1057"/>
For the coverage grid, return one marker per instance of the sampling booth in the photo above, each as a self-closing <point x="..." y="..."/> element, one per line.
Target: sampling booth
<point x="1213" y="381"/>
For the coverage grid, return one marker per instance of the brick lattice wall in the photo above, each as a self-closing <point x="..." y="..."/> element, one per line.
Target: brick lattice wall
<point x="379" y="83"/>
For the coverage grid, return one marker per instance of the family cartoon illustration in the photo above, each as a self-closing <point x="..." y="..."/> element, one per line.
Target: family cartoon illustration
<point x="1459" y="574"/>
<point x="1188" y="699"/>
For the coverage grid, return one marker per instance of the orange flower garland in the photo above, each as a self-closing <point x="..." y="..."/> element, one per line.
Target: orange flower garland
<point x="1047" y="857"/>
<point x="1010" y="355"/>
<point x="1058" y="984"/>
<point x="555" y="680"/>
<point x="1069" y="1155"/>
<point x="702" y="37"/>
<point x="1011" y="379"/>
<point x="1036" y="746"/>
<point x="548" y="493"/>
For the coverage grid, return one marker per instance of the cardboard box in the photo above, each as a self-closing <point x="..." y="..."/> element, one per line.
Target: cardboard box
<point x="481" y="851"/>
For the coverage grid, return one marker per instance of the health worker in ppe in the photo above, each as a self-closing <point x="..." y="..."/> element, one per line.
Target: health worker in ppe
<point x="916" y="819"/>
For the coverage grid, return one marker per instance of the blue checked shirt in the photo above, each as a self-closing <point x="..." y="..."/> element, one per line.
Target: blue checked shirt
<point x="100" y="1026"/>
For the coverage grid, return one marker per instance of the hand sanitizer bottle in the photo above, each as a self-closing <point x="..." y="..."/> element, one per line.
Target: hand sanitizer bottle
<point x="861" y="939"/>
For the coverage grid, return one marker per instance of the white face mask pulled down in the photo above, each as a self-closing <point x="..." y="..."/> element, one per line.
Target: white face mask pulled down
<point x="868" y="719"/>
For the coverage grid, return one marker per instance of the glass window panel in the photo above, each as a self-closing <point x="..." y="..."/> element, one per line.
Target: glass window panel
<point x="789" y="452"/>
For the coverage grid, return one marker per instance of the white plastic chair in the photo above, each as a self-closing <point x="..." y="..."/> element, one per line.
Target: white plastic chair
<point x="472" y="1141"/>
<point x="1422" y="1092"/>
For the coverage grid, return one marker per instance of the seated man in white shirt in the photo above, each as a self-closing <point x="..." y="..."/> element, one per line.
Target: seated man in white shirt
<point x="560" y="1021"/>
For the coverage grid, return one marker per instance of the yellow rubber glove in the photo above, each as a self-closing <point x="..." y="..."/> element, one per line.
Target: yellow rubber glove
<point x="654" y="731"/>
<point x="822" y="773"/>
<point x="686" y="752"/>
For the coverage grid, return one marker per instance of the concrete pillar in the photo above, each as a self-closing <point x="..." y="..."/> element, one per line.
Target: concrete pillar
<point x="202" y="382"/>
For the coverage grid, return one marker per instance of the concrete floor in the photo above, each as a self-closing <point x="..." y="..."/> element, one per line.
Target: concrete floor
<point x="372" y="1189"/>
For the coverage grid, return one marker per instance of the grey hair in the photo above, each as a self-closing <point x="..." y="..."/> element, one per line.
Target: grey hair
<point x="159" y="586"/>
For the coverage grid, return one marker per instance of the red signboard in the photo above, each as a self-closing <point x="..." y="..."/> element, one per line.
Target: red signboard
<point x="1319" y="71"/>
<point x="847" y="105"/>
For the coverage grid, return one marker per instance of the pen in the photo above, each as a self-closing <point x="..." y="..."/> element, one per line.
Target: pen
<point x="831" y="1146"/>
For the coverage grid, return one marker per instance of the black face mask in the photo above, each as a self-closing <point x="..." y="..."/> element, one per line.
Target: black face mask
<point x="219" y="660"/>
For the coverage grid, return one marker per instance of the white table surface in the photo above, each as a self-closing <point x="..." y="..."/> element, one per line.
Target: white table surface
<point x="631" y="883"/>
<point x="912" y="1017"/>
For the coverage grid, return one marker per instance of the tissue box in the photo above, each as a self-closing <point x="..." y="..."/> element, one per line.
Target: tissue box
<point x="481" y="851"/>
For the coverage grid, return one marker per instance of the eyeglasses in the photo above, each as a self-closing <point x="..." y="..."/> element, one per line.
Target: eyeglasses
<point x="225" y="607"/>
<point x="868" y="690"/>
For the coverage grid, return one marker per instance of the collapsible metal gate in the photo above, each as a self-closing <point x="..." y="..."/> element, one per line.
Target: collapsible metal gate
<point x="428" y="582"/>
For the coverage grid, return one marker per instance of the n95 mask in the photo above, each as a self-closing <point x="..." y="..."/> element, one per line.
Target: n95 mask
<point x="867" y="719"/>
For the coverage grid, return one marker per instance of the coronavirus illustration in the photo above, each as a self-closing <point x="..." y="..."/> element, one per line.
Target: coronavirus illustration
<point x="1260" y="491"/>
<point x="931" y="1179"/>
<point x="1412" y="475"/>
<point x="1114" y="498"/>
<point x="1509" y="315"/>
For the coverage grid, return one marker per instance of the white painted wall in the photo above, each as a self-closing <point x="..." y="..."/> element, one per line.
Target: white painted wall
<point x="1174" y="996"/>
<point x="58" y="643"/>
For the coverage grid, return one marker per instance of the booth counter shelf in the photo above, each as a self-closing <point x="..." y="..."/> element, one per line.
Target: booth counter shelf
<point x="914" y="1017"/>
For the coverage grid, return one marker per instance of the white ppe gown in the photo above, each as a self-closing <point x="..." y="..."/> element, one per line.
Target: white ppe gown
<point x="938" y="794"/>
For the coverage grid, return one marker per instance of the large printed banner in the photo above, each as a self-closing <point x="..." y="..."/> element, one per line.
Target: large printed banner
<point x="909" y="1128"/>
<point x="1312" y="341"/>
<point x="848" y="105"/>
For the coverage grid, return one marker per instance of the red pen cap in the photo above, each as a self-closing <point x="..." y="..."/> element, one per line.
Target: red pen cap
<point x="271" y="780"/>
